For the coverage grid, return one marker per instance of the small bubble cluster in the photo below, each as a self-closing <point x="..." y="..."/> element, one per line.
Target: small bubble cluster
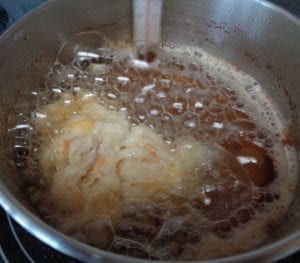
<point x="175" y="98"/>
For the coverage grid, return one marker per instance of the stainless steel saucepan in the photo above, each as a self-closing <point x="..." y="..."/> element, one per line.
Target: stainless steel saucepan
<point x="255" y="36"/>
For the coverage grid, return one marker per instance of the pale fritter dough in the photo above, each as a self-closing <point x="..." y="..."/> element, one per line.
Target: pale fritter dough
<point x="95" y="161"/>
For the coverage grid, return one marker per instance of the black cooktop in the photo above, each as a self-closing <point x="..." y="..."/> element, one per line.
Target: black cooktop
<point x="17" y="245"/>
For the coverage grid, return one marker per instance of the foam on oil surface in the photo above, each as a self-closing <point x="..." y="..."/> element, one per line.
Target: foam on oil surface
<point x="184" y="92"/>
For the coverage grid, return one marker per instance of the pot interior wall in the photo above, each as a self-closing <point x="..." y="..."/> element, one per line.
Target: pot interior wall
<point x="259" y="41"/>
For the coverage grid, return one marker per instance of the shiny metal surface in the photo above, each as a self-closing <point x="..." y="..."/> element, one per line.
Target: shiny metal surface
<point x="256" y="36"/>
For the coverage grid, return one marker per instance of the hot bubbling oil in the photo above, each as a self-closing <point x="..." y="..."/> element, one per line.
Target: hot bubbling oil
<point x="245" y="193"/>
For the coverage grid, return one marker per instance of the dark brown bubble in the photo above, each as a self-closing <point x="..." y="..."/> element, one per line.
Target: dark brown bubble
<point x="222" y="229"/>
<point x="229" y="114"/>
<point x="244" y="125"/>
<point x="255" y="160"/>
<point x="243" y="215"/>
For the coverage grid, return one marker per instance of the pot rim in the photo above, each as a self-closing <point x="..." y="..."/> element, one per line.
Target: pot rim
<point x="71" y="247"/>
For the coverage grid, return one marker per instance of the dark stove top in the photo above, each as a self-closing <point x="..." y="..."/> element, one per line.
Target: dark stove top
<point x="16" y="245"/>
